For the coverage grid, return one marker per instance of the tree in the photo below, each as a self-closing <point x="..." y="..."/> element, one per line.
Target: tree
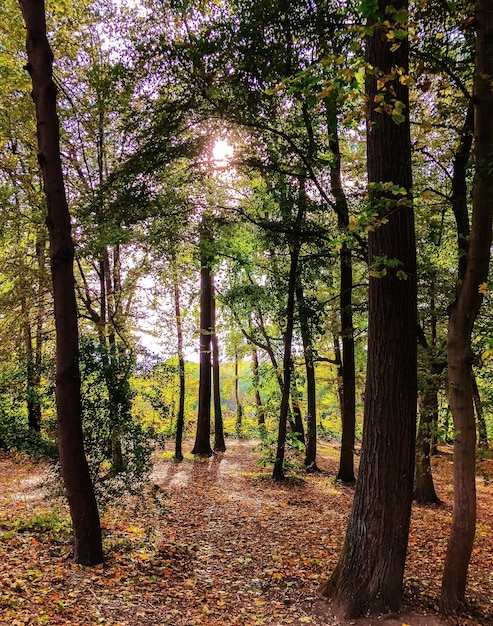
<point x="75" y="471"/>
<point x="180" y="417"/>
<point x="202" y="437"/>
<point x="473" y="274"/>
<point x="219" y="444"/>
<point x="369" y="573"/>
<point x="311" y="391"/>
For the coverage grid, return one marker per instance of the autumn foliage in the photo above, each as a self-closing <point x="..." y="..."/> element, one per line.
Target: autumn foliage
<point x="215" y="541"/>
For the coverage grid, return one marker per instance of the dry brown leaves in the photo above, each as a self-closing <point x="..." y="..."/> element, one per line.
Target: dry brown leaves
<point x="216" y="542"/>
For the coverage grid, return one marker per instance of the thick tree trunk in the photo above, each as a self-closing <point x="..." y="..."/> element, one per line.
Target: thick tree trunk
<point x="369" y="574"/>
<point x="462" y="317"/>
<point x="219" y="443"/>
<point x="80" y="493"/>
<point x="203" y="433"/>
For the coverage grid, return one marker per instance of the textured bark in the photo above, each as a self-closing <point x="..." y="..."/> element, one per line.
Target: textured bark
<point x="203" y="433"/>
<point x="80" y="493"/>
<point x="369" y="574"/>
<point x="461" y="320"/>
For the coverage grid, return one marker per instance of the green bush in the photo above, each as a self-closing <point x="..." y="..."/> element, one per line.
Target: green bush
<point x="117" y="445"/>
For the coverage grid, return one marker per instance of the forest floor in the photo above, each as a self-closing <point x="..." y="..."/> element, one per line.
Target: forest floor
<point x="216" y="542"/>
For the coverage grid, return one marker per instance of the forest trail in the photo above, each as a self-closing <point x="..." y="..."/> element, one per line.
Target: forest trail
<point x="215" y="542"/>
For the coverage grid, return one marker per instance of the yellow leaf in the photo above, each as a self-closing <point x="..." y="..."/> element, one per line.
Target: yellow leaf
<point x="401" y="274"/>
<point x="486" y="354"/>
<point x="353" y="223"/>
<point x="483" y="288"/>
<point x="325" y="93"/>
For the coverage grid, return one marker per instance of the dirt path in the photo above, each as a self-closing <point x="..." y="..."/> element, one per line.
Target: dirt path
<point x="214" y="542"/>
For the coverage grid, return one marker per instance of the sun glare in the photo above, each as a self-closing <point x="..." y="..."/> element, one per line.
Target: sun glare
<point x="222" y="153"/>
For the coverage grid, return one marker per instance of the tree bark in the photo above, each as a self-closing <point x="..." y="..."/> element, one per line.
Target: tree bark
<point x="256" y="387"/>
<point x="424" y="488"/>
<point x="219" y="443"/>
<point x="369" y="574"/>
<point x="348" y="391"/>
<point x="32" y="377"/>
<point x="295" y="417"/>
<point x="461" y="320"/>
<point x="478" y="406"/>
<point x="80" y="493"/>
<point x="239" y="407"/>
<point x="348" y="413"/>
<point x="278" y="470"/>
<point x="311" y="386"/>
<point x="180" y="418"/>
<point x="203" y="433"/>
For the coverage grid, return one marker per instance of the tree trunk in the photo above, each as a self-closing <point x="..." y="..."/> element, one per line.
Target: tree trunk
<point x="40" y="318"/>
<point x="478" y="406"/>
<point x="219" y="443"/>
<point x="278" y="470"/>
<point x="295" y="418"/>
<point x="110" y="357"/>
<point x="311" y="388"/>
<point x="75" y="471"/>
<point x="203" y="434"/>
<point x="239" y="407"/>
<point x="369" y="574"/>
<point x="256" y="385"/>
<point x="424" y="488"/>
<point x="348" y="376"/>
<point x="180" y="418"/>
<point x="32" y="388"/>
<point x="346" y="462"/>
<point x="462" y="317"/>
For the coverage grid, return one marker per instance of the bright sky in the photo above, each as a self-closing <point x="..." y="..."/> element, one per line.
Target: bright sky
<point x="222" y="152"/>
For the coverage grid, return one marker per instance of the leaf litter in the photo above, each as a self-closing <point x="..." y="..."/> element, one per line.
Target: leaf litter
<point x="215" y="542"/>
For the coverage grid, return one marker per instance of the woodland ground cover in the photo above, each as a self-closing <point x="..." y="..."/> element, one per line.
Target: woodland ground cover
<point x="216" y="541"/>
